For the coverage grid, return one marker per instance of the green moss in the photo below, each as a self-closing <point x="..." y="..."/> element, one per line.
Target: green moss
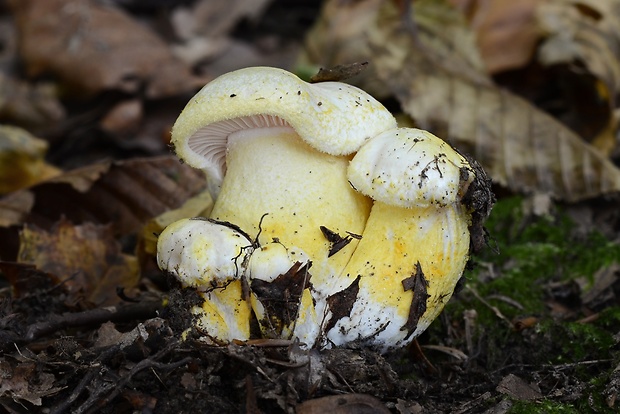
<point x="544" y="406"/>
<point x="534" y="252"/>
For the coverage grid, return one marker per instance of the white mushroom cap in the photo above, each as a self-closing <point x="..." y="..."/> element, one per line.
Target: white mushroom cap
<point x="332" y="117"/>
<point x="272" y="260"/>
<point x="408" y="167"/>
<point x="201" y="253"/>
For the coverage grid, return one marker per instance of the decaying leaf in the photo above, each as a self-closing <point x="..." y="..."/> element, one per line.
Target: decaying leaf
<point x="90" y="47"/>
<point x="26" y="104"/>
<point x="86" y="258"/>
<point x="507" y="32"/>
<point x="343" y="404"/>
<point x="22" y="159"/>
<point x="433" y="69"/>
<point x="124" y="193"/>
<point x="341" y="36"/>
<point x="518" y="389"/>
<point x="519" y="146"/>
<point x="26" y="381"/>
<point x="586" y="32"/>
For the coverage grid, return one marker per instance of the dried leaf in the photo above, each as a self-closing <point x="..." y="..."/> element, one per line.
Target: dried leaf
<point x="518" y="145"/>
<point x="343" y="404"/>
<point x="598" y="293"/>
<point x="342" y="32"/>
<point x="26" y="279"/>
<point x="22" y="159"/>
<point x="86" y="258"/>
<point x="27" y="104"/>
<point x="584" y="31"/>
<point x="215" y="18"/>
<point x="25" y="381"/>
<point x="91" y="47"/>
<point x="507" y="32"/>
<point x="339" y="73"/>
<point x="124" y="194"/>
<point x="518" y="389"/>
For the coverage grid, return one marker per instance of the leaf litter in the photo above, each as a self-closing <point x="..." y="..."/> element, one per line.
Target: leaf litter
<point x="89" y="324"/>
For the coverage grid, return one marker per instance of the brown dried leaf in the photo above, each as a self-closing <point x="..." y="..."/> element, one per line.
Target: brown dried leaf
<point x="584" y="31"/>
<point x="507" y="32"/>
<point x="86" y="258"/>
<point x="26" y="279"/>
<point x="343" y="404"/>
<point x="124" y="194"/>
<point x="518" y="389"/>
<point x="91" y="47"/>
<point x="518" y="145"/>
<point x="25" y="381"/>
<point x="342" y="32"/>
<point x="215" y="18"/>
<point x="28" y="104"/>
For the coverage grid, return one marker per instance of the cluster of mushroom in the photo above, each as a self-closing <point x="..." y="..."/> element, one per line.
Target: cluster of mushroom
<point x="331" y="225"/>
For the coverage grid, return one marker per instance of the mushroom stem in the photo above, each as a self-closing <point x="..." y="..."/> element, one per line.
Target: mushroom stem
<point x="210" y="257"/>
<point x="403" y="271"/>
<point x="279" y="188"/>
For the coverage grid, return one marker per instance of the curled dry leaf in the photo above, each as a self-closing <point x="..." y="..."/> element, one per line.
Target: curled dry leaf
<point x="342" y="31"/>
<point x="91" y="47"/>
<point x="586" y="32"/>
<point x="519" y="146"/>
<point x="584" y="36"/>
<point x="86" y="258"/>
<point x="123" y="193"/>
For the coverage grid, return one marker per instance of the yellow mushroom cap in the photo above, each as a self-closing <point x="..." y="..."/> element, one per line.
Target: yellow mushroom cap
<point x="407" y="166"/>
<point x="201" y="253"/>
<point x="332" y="117"/>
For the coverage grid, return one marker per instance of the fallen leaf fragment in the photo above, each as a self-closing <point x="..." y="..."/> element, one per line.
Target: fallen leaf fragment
<point x="123" y="193"/>
<point x="520" y="146"/>
<point x="597" y="293"/>
<point x="28" y="104"/>
<point x="343" y="404"/>
<point x="91" y="47"/>
<point x="507" y="32"/>
<point x="25" y="381"/>
<point x="86" y="258"/>
<point x="22" y="160"/>
<point x="518" y="389"/>
<point x="585" y="31"/>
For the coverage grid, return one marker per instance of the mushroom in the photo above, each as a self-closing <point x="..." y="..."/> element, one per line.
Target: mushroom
<point x="210" y="257"/>
<point x="415" y="244"/>
<point x="281" y="298"/>
<point x="275" y="150"/>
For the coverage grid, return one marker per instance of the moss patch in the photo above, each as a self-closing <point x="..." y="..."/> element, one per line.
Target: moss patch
<point x="533" y="279"/>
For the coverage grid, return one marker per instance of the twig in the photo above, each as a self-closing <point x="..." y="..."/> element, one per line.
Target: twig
<point x="495" y="310"/>
<point x="99" y="398"/>
<point x="143" y="310"/>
